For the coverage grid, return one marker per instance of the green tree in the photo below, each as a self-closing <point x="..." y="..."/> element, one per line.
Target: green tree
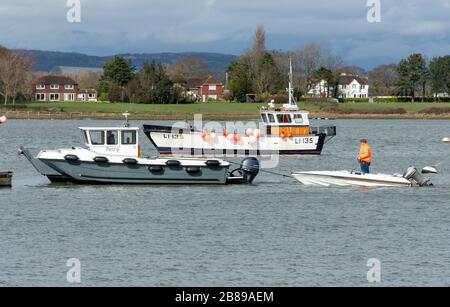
<point x="412" y="74"/>
<point x="119" y="70"/>
<point x="330" y="79"/>
<point x="439" y="72"/>
<point x="152" y="85"/>
<point x="117" y="73"/>
<point x="240" y="79"/>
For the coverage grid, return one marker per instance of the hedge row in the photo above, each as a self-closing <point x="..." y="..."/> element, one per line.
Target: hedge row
<point x="384" y="111"/>
<point x="408" y="99"/>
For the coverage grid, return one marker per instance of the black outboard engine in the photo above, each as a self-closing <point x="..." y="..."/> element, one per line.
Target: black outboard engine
<point x="249" y="169"/>
<point x="246" y="173"/>
<point x="413" y="175"/>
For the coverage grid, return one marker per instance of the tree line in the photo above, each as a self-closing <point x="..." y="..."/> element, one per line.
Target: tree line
<point x="257" y="73"/>
<point x="263" y="73"/>
<point x="153" y="83"/>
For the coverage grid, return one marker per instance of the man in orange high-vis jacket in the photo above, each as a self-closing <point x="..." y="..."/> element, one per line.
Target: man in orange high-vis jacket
<point x="365" y="156"/>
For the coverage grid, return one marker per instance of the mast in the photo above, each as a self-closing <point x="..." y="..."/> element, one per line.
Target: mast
<point x="291" y="82"/>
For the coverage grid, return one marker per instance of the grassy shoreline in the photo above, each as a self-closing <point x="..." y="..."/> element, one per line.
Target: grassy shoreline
<point x="217" y="111"/>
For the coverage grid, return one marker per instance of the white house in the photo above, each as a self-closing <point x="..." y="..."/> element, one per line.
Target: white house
<point x="320" y="89"/>
<point x="353" y="87"/>
<point x="87" y="95"/>
<point x="349" y="87"/>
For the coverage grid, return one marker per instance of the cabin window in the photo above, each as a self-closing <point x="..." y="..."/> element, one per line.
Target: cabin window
<point x="284" y="118"/>
<point x="264" y="118"/>
<point x="86" y="139"/>
<point x="298" y="118"/>
<point x="112" y="137"/>
<point x="97" y="137"/>
<point x="129" y="137"/>
<point x="271" y="118"/>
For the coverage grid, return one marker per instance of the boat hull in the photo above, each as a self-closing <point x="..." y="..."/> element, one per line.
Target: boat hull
<point x="116" y="173"/>
<point x="52" y="175"/>
<point x="192" y="144"/>
<point x="349" y="179"/>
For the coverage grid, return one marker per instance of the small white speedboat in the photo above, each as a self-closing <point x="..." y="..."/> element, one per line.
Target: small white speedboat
<point x="356" y="179"/>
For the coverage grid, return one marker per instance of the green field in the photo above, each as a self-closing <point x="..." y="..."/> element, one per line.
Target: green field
<point x="408" y="106"/>
<point x="211" y="108"/>
<point x="145" y="108"/>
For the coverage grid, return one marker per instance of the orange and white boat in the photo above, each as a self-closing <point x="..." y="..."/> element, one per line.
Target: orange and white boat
<point x="284" y="131"/>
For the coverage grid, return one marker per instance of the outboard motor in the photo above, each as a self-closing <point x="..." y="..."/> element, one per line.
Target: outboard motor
<point x="413" y="175"/>
<point x="249" y="169"/>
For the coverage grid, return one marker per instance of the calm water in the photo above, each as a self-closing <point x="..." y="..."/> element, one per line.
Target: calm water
<point x="275" y="233"/>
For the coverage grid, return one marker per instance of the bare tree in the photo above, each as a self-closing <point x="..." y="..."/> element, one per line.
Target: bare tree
<point x="310" y="59"/>
<point x="382" y="80"/>
<point x="259" y="41"/>
<point x="88" y="79"/>
<point x="188" y="68"/>
<point x="15" y="70"/>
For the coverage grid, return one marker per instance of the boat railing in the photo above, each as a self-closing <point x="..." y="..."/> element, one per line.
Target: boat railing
<point x="330" y="131"/>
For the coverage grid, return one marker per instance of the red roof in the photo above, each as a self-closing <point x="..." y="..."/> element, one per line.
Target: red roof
<point x="51" y="79"/>
<point x="211" y="81"/>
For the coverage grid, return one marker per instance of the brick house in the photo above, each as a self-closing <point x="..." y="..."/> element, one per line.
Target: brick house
<point x="210" y="89"/>
<point x="55" y="88"/>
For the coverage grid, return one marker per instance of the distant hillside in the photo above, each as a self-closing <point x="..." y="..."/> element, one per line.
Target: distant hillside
<point x="50" y="60"/>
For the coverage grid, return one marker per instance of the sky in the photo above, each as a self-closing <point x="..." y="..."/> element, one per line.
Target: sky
<point x="227" y="26"/>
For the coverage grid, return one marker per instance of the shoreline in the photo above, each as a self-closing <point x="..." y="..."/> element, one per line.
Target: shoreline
<point x="206" y="116"/>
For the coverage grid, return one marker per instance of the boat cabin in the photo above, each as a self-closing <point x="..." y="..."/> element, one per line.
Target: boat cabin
<point x="113" y="141"/>
<point x="287" y="121"/>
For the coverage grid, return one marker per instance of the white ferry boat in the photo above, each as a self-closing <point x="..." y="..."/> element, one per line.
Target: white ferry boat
<point x="287" y="131"/>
